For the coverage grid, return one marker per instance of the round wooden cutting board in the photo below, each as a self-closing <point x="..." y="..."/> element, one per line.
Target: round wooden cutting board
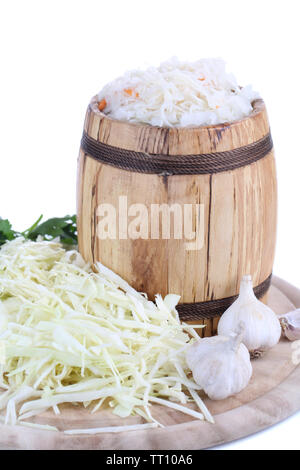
<point x="272" y="395"/>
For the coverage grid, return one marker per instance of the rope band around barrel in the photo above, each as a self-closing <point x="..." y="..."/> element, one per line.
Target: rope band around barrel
<point x="214" y="308"/>
<point x="176" y="164"/>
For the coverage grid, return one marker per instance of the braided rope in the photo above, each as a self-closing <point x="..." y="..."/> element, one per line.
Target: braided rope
<point x="176" y="164"/>
<point x="214" y="308"/>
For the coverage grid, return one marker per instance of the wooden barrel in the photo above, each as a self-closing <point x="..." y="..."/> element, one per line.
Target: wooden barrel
<point x="224" y="173"/>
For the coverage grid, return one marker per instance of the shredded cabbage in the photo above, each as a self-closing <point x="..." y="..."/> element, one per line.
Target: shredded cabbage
<point x="178" y="94"/>
<point x="133" y="427"/>
<point x="72" y="335"/>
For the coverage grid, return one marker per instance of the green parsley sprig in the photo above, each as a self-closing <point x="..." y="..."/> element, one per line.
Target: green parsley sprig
<point x="63" y="227"/>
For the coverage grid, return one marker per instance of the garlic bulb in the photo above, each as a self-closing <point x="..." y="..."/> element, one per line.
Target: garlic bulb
<point x="220" y="365"/>
<point x="262" y="326"/>
<point x="290" y="324"/>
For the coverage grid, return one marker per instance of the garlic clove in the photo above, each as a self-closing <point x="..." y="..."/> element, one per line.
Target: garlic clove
<point x="290" y="324"/>
<point x="262" y="326"/>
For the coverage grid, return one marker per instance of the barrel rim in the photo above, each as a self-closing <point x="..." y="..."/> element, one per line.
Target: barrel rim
<point x="258" y="108"/>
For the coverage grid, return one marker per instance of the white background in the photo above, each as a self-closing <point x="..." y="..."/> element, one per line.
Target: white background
<point x="56" y="54"/>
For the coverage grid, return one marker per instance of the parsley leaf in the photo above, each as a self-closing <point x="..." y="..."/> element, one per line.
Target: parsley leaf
<point x="63" y="227"/>
<point x="6" y="232"/>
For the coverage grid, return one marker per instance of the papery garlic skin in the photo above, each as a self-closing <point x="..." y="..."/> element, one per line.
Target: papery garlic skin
<point x="220" y="365"/>
<point x="262" y="326"/>
<point x="290" y="324"/>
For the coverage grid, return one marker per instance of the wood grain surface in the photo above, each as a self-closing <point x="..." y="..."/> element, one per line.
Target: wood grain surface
<point x="238" y="221"/>
<point x="271" y="396"/>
